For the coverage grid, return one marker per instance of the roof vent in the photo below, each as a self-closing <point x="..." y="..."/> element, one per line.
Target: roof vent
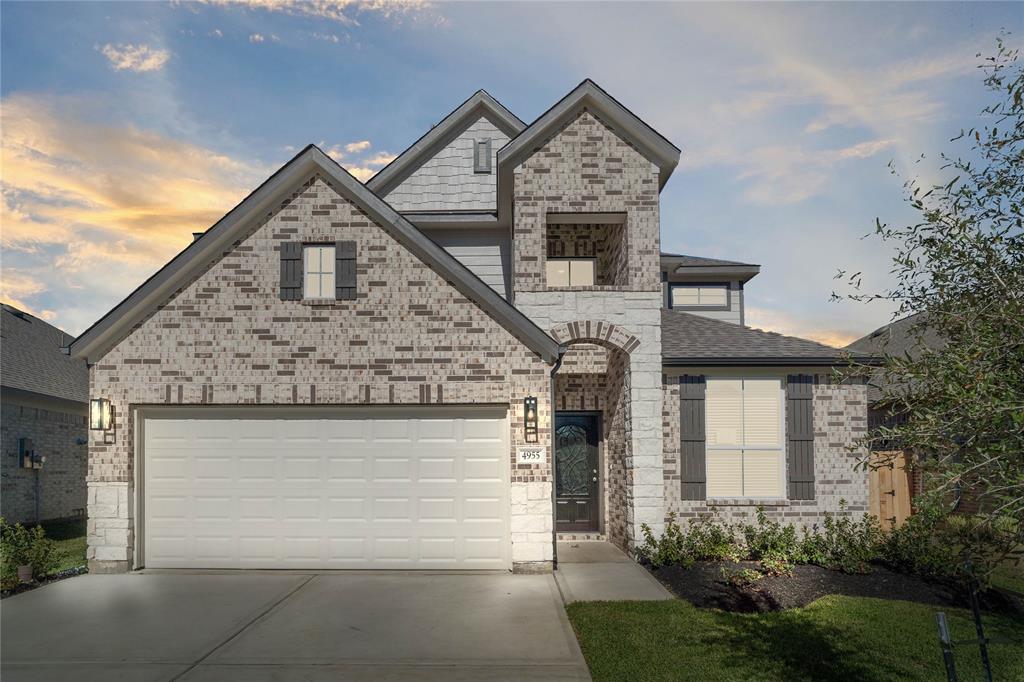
<point x="197" y="235"/>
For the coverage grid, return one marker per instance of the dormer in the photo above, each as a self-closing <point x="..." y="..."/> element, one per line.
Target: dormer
<point x="708" y="287"/>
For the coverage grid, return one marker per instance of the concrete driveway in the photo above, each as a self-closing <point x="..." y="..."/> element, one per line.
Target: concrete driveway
<point x="285" y="626"/>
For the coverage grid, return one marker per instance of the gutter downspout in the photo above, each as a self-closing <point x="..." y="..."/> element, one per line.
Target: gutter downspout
<point x="554" y="530"/>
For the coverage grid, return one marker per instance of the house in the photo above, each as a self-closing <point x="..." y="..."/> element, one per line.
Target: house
<point x="476" y="352"/>
<point x="43" y="398"/>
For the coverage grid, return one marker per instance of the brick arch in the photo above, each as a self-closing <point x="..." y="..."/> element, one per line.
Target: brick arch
<point x="600" y="332"/>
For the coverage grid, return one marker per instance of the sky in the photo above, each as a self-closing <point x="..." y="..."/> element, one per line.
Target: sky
<point x="127" y="126"/>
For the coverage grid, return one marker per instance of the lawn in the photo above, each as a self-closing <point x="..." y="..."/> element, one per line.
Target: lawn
<point x="70" y="538"/>
<point x="835" y="638"/>
<point x="1009" y="576"/>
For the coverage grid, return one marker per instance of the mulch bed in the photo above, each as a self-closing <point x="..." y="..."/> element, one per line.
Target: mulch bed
<point x="704" y="585"/>
<point x="25" y="587"/>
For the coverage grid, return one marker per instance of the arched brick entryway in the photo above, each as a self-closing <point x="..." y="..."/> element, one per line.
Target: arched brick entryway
<point x="596" y="331"/>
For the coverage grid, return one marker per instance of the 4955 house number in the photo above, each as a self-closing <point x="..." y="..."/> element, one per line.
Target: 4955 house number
<point x="531" y="454"/>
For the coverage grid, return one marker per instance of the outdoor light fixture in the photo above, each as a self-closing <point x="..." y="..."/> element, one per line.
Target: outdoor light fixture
<point x="530" y="418"/>
<point x="101" y="417"/>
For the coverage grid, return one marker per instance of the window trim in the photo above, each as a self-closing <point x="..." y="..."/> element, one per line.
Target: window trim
<point x="782" y="448"/>
<point x="592" y="259"/>
<point x="696" y="285"/>
<point x="482" y="165"/>
<point x="334" y="270"/>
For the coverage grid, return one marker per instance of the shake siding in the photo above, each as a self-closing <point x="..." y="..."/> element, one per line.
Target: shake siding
<point x="447" y="180"/>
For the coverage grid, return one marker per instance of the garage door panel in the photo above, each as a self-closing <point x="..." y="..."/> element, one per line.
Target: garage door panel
<point x="326" y="493"/>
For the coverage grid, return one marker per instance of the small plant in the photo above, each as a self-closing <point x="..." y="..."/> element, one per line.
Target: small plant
<point x="844" y="544"/>
<point x="709" y="540"/>
<point x="668" y="549"/>
<point x="20" y="546"/>
<point x="742" y="577"/>
<point x="776" y="565"/>
<point x="772" y="540"/>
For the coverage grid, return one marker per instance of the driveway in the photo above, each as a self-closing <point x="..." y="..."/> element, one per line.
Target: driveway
<point x="284" y="626"/>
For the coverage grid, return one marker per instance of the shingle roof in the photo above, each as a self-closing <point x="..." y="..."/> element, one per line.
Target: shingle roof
<point x="31" y="358"/>
<point x="695" y="340"/>
<point x="683" y="260"/>
<point x="902" y="337"/>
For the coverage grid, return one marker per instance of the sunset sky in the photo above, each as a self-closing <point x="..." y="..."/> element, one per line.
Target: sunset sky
<point x="127" y="126"/>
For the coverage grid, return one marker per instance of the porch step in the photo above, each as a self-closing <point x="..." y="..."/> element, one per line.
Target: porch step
<point x="582" y="537"/>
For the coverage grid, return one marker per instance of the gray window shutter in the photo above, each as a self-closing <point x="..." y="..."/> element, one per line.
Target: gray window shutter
<point x="800" y="436"/>
<point x="345" y="271"/>
<point x="482" y="156"/>
<point x="692" y="462"/>
<point x="291" y="271"/>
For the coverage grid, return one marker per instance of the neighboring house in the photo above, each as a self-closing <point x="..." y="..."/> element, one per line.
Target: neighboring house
<point x="43" y="398"/>
<point x="378" y="375"/>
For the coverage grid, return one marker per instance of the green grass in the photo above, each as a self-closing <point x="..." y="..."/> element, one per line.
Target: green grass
<point x="1009" y="576"/>
<point x="835" y="638"/>
<point x="70" y="538"/>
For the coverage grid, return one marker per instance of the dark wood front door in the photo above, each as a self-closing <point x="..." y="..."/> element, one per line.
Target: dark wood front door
<point x="577" y="488"/>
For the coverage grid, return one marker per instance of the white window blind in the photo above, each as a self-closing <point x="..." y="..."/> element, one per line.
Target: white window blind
<point x="744" y="438"/>
<point x="318" y="264"/>
<point x="684" y="295"/>
<point x="570" y="272"/>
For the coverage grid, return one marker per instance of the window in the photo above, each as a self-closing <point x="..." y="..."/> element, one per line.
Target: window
<point x="482" y="156"/>
<point x="745" y="450"/>
<point x="700" y="295"/>
<point x="318" y="281"/>
<point x="570" y="272"/>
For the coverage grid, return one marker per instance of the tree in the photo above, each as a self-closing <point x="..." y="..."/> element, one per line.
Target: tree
<point x="962" y="266"/>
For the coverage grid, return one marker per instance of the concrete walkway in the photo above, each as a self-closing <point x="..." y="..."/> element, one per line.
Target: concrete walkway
<point x="282" y="626"/>
<point x="599" y="571"/>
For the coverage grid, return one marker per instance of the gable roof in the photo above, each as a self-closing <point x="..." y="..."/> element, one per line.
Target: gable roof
<point x="688" y="340"/>
<point x="106" y="332"/>
<point x="451" y="126"/>
<point x="32" y="359"/>
<point x="652" y="144"/>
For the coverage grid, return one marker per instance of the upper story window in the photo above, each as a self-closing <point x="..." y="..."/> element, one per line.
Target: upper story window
<point x="699" y="295"/>
<point x="318" y="273"/>
<point x="482" y="156"/>
<point x="571" y="272"/>
<point x="745" y="442"/>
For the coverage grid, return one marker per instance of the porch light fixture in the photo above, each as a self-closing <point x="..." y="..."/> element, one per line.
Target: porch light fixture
<point x="530" y="418"/>
<point x="101" y="417"/>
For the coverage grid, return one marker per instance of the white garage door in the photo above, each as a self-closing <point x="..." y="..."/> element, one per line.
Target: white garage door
<point x="411" y="493"/>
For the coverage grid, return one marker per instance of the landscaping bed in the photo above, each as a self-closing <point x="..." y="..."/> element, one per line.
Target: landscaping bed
<point x="56" y="550"/>
<point x="715" y="584"/>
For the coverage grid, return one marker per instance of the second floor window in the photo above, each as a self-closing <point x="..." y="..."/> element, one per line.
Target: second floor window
<point x="318" y="280"/>
<point x="700" y="295"/>
<point x="571" y="272"/>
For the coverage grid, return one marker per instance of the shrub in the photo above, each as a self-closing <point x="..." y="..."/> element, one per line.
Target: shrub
<point x="710" y="540"/>
<point x="771" y="540"/>
<point x="844" y="545"/>
<point x="668" y="549"/>
<point x="20" y="546"/>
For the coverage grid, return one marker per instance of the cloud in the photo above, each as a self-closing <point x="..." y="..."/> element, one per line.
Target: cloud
<point x="785" y="175"/>
<point x="138" y="58"/>
<point x="354" y="147"/>
<point x="783" y="322"/>
<point x="216" y="33"/>
<point x="97" y="207"/>
<point x="343" y="12"/>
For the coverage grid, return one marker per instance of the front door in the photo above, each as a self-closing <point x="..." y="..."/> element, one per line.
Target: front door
<point x="577" y="489"/>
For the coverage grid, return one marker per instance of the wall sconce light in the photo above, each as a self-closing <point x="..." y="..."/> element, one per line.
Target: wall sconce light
<point x="530" y="419"/>
<point x="101" y="417"/>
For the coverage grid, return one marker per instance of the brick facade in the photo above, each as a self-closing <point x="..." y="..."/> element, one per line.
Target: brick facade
<point x="227" y="339"/>
<point x="840" y="417"/>
<point x="60" y="437"/>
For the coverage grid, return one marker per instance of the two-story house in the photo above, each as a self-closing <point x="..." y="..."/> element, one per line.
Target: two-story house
<point x="479" y="350"/>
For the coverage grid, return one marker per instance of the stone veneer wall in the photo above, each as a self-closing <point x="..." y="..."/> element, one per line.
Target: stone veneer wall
<point x="585" y="167"/>
<point x="840" y="417"/>
<point x="226" y="338"/>
<point x="60" y="437"/>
